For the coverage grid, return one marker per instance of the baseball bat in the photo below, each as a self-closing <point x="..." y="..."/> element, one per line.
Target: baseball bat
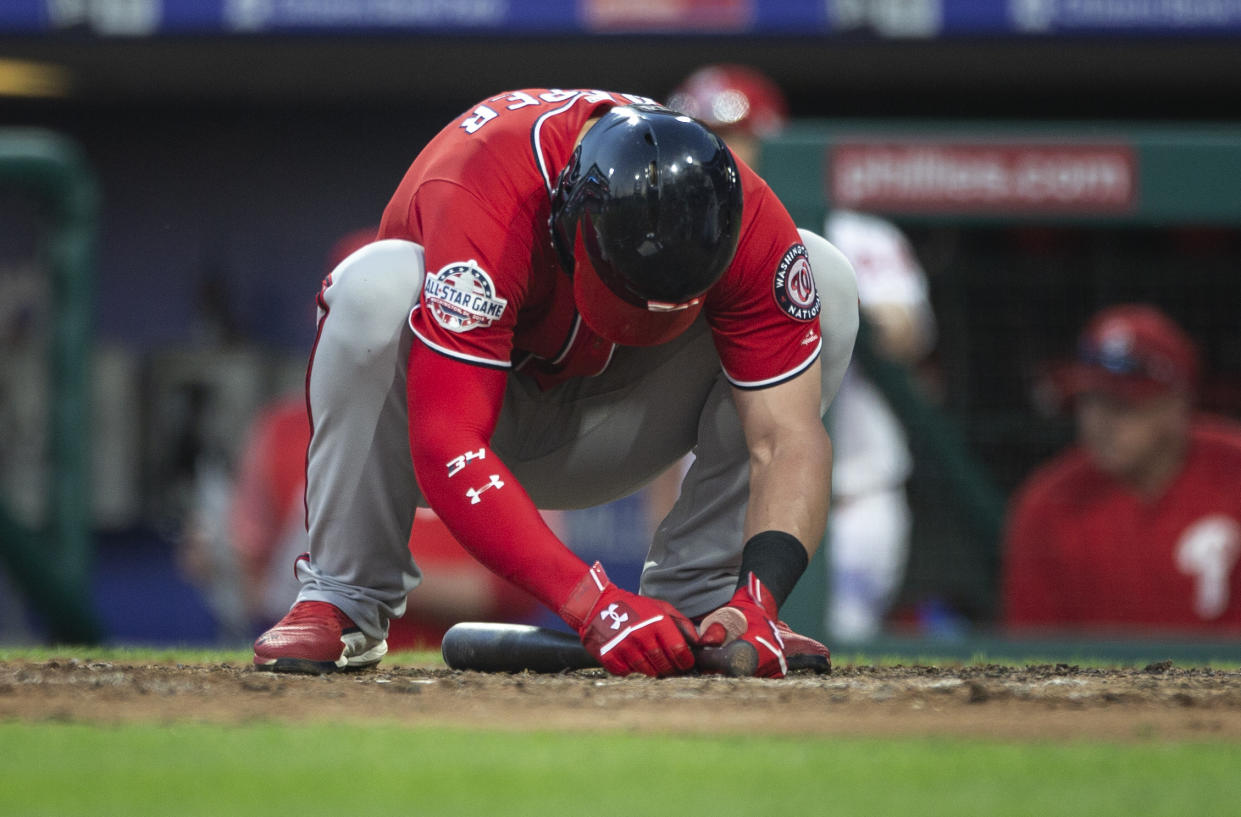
<point x="492" y="647"/>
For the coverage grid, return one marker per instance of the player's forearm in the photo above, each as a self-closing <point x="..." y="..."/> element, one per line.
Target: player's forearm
<point x="494" y="519"/>
<point x="467" y="485"/>
<point x="790" y="487"/>
<point x="787" y="511"/>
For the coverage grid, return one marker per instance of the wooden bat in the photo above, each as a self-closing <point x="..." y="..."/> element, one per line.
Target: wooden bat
<point x="491" y="647"/>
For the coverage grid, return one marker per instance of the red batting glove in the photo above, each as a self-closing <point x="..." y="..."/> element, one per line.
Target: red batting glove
<point x="627" y="632"/>
<point x="750" y="615"/>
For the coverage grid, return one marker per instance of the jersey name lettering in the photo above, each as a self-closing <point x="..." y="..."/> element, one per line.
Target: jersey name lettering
<point x="516" y="100"/>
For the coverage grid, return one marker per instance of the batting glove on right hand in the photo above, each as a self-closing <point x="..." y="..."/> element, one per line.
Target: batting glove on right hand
<point x="750" y="616"/>
<point x="627" y="632"/>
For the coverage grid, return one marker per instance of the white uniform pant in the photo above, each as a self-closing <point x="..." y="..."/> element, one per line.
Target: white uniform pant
<point x="582" y="443"/>
<point x="868" y="538"/>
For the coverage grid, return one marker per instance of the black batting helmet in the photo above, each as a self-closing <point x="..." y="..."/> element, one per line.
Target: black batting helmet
<point x="651" y="203"/>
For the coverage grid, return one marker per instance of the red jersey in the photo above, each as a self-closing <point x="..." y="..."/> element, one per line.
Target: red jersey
<point x="1083" y="551"/>
<point x="478" y="199"/>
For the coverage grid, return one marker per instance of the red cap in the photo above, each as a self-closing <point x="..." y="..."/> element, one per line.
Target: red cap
<point x="622" y="320"/>
<point x="732" y="96"/>
<point x="1134" y="352"/>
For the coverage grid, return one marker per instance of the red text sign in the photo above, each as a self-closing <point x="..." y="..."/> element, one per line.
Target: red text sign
<point x="982" y="177"/>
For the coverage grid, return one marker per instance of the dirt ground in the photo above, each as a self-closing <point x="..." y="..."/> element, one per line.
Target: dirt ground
<point x="1055" y="702"/>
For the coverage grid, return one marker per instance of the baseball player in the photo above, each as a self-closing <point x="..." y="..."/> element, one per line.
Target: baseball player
<point x="1137" y="528"/>
<point x="570" y="290"/>
<point x="870" y="524"/>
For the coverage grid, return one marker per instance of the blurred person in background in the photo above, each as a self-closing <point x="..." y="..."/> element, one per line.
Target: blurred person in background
<point x="870" y="523"/>
<point x="1136" y="529"/>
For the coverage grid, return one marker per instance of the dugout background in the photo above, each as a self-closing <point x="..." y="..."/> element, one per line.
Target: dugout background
<point x="228" y="165"/>
<point x="1010" y="300"/>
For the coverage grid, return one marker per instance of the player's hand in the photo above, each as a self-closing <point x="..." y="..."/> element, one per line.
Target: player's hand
<point x="750" y="615"/>
<point x="627" y="632"/>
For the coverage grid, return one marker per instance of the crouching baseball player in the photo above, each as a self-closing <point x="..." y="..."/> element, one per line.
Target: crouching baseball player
<point x="569" y="291"/>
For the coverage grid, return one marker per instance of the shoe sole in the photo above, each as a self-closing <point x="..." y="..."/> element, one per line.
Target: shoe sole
<point x="819" y="664"/>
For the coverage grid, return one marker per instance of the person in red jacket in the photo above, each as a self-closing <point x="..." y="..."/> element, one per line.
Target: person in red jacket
<point x="1137" y="528"/>
<point x="571" y="289"/>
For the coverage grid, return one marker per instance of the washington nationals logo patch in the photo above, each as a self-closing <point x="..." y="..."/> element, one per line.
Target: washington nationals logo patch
<point x="462" y="297"/>
<point x="794" y="285"/>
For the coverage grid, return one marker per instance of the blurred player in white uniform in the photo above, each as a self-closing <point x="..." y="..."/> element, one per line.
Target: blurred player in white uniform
<point x="870" y="521"/>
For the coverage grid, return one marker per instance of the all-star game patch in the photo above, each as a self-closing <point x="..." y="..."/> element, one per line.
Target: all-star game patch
<point x="462" y="297"/>
<point x="794" y="287"/>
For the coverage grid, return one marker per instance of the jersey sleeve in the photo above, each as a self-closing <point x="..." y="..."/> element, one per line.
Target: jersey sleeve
<point x="453" y="408"/>
<point x="764" y="313"/>
<point x="475" y="282"/>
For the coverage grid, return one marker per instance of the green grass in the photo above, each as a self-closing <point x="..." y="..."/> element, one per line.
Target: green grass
<point x="181" y="770"/>
<point x="268" y="769"/>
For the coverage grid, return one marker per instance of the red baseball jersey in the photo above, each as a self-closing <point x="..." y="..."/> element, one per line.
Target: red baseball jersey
<point x="478" y="199"/>
<point x="1084" y="552"/>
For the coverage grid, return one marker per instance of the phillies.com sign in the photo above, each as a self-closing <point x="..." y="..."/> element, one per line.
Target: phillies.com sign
<point x="985" y="178"/>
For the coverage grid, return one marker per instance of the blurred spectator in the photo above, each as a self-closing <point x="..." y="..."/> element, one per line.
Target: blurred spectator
<point x="742" y="105"/>
<point x="1137" y="528"/>
<point x="870" y="521"/>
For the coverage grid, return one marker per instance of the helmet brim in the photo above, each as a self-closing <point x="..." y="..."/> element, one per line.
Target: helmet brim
<point x="621" y="322"/>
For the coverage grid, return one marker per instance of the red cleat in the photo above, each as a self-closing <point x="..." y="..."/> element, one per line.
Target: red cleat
<point x="803" y="652"/>
<point x="315" y="638"/>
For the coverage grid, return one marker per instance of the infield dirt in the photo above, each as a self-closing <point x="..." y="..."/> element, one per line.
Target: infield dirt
<point x="1055" y="702"/>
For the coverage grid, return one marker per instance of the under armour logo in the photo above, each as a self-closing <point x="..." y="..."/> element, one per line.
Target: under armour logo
<point x="475" y="493"/>
<point x="617" y="618"/>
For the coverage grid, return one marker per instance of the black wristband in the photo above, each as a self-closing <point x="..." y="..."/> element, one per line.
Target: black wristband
<point x="777" y="559"/>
